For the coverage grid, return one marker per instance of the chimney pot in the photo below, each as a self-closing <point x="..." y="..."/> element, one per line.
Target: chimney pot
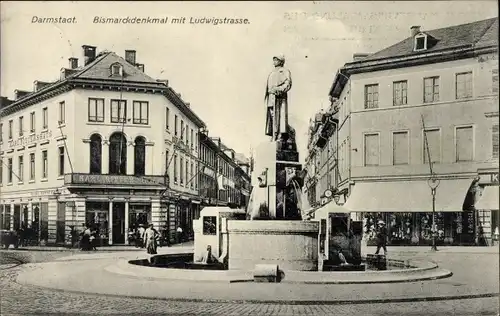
<point x="414" y="30"/>
<point x="89" y="54"/>
<point x="140" y="67"/>
<point x="73" y="63"/>
<point x="359" y="56"/>
<point x="130" y="56"/>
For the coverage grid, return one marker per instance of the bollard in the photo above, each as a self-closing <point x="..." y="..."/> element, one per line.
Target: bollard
<point x="266" y="273"/>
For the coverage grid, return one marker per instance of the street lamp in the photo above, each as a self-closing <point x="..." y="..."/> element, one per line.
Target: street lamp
<point x="433" y="184"/>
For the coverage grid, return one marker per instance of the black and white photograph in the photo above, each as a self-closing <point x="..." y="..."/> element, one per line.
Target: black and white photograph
<point x="249" y="158"/>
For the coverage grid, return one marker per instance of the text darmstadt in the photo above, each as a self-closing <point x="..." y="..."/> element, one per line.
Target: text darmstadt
<point x="55" y="19"/>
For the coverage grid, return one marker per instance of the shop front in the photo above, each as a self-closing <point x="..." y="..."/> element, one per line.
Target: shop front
<point x="407" y="209"/>
<point x="488" y="208"/>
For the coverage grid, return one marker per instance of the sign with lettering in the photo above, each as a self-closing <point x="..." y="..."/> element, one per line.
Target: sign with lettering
<point x="113" y="179"/>
<point x="494" y="178"/>
<point x="27" y="140"/>
<point x="48" y="192"/>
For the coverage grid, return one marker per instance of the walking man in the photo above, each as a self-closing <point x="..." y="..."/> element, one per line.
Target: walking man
<point x="381" y="237"/>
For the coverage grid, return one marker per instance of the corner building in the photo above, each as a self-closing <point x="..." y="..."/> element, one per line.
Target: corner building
<point x="105" y="145"/>
<point x="434" y="94"/>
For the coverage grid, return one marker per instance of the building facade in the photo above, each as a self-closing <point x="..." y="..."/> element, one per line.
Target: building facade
<point x="224" y="180"/>
<point x="432" y="97"/>
<point x="106" y="146"/>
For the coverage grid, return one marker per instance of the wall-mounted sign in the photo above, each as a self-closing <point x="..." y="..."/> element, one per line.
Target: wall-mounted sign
<point x="113" y="179"/>
<point x="494" y="178"/>
<point x="48" y="192"/>
<point x="27" y="140"/>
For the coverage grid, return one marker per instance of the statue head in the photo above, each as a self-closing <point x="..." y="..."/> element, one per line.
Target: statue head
<point x="279" y="60"/>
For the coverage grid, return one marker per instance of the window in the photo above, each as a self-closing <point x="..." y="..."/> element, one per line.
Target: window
<point x="96" y="110"/>
<point x="9" y="170"/>
<point x="420" y="42"/>
<point x="495" y="140"/>
<point x="140" y="156"/>
<point x="167" y="162"/>
<point x="45" y="165"/>
<point x="32" y="122"/>
<point x="464" y="143"/>
<point x="175" y="168"/>
<point x="1" y="132"/>
<point x="116" y="70"/>
<point x="186" y="171"/>
<point x="372" y="150"/>
<point x="209" y="225"/>
<point x="192" y="175"/>
<point x="32" y="166"/>
<point x="167" y="118"/>
<point x="45" y="118"/>
<point x="432" y="140"/>
<point x="140" y="112"/>
<point x="61" y="161"/>
<point x="21" y="127"/>
<point x="463" y="85"/>
<point x="118" y="111"/>
<point x="117" y="154"/>
<point x="431" y="89"/>
<point x="175" y="125"/>
<point x="400" y="150"/>
<point x="181" y="166"/>
<point x="62" y="113"/>
<point x="400" y="92"/>
<point x="21" y="168"/>
<point x="192" y="138"/>
<point x="1" y="171"/>
<point x="11" y="126"/>
<point x="95" y="154"/>
<point x="371" y="96"/>
<point x="182" y="130"/>
<point x="187" y="135"/>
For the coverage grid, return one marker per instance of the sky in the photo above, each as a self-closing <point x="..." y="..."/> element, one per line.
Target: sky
<point x="222" y="70"/>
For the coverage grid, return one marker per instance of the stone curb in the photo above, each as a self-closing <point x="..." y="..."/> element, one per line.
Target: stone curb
<point x="284" y="302"/>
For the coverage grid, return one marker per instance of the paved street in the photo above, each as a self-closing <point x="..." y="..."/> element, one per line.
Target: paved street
<point x="17" y="299"/>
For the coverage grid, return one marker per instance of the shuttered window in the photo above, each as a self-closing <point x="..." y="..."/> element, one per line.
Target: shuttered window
<point x="400" y="148"/>
<point x="464" y="143"/>
<point x="433" y="137"/>
<point x="372" y="150"/>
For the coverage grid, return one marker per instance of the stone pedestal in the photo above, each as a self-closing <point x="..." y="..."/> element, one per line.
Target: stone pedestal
<point x="292" y="245"/>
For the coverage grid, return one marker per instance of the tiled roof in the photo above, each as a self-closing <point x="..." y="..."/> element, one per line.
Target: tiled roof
<point x="484" y="33"/>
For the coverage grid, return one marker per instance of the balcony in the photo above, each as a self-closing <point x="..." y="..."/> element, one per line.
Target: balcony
<point x="86" y="179"/>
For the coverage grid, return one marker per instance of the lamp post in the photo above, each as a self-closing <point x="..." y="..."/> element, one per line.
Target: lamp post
<point x="433" y="183"/>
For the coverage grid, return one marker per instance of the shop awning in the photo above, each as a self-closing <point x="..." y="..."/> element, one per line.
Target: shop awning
<point x="407" y="196"/>
<point x="328" y="208"/>
<point x="489" y="198"/>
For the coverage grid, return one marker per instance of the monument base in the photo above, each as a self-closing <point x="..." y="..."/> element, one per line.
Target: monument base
<point x="292" y="245"/>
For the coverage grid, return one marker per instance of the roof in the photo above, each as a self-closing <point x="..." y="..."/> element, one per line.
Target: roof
<point x="484" y="32"/>
<point x="98" y="70"/>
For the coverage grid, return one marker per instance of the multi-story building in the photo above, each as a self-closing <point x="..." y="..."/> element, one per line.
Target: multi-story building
<point x="431" y="97"/>
<point x="105" y="145"/>
<point x="223" y="182"/>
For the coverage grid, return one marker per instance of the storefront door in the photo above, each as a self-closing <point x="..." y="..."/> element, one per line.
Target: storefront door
<point x="118" y="223"/>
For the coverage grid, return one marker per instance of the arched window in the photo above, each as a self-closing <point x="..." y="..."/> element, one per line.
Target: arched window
<point x="140" y="156"/>
<point x="117" y="154"/>
<point x="95" y="154"/>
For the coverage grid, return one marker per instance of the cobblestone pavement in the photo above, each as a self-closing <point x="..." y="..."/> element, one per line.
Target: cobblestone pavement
<point x="16" y="299"/>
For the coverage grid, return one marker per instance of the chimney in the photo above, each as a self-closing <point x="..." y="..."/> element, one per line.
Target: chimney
<point x="188" y="104"/>
<point x="21" y="93"/>
<point x="130" y="56"/>
<point x="140" y="67"/>
<point x="89" y="54"/>
<point x="73" y="63"/>
<point x="37" y="85"/>
<point x="65" y="73"/>
<point x="359" y="56"/>
<point x="414" y="30"/>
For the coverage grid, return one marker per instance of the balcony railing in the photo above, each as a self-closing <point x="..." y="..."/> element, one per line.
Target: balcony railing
<point x="112" y="179"/>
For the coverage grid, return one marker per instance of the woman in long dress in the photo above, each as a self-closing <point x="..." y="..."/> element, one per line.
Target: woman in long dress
<point x="151" y="239"/>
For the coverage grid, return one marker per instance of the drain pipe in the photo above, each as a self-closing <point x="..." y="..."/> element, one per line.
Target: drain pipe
<point x="225" y="244"/>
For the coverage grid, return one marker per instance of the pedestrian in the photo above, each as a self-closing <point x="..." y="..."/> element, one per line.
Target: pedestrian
<point x="151" y="239"/>
<point x="140" y="235"/>
<point x="85" y="243"/>
<point x="381" y="237"/>
<point x="179" y="232"/>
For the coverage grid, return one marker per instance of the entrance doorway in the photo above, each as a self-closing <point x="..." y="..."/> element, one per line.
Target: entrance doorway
<point x="118" y="222"/>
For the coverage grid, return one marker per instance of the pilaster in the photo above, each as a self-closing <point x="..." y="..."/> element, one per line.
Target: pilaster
<point x="130" y="157"/>
<point x="105" y="157"/>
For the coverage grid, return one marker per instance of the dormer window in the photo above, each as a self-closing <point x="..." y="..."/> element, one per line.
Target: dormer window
<point x="116" y="70"/>
<point x="420" y="42"/>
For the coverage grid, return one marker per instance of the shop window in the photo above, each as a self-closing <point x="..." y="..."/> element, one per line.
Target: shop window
<point x="140" y="156"/>
<point x="95" y="154"/>
<point x="117" y="154"/>
<point x="209" y="225"/>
